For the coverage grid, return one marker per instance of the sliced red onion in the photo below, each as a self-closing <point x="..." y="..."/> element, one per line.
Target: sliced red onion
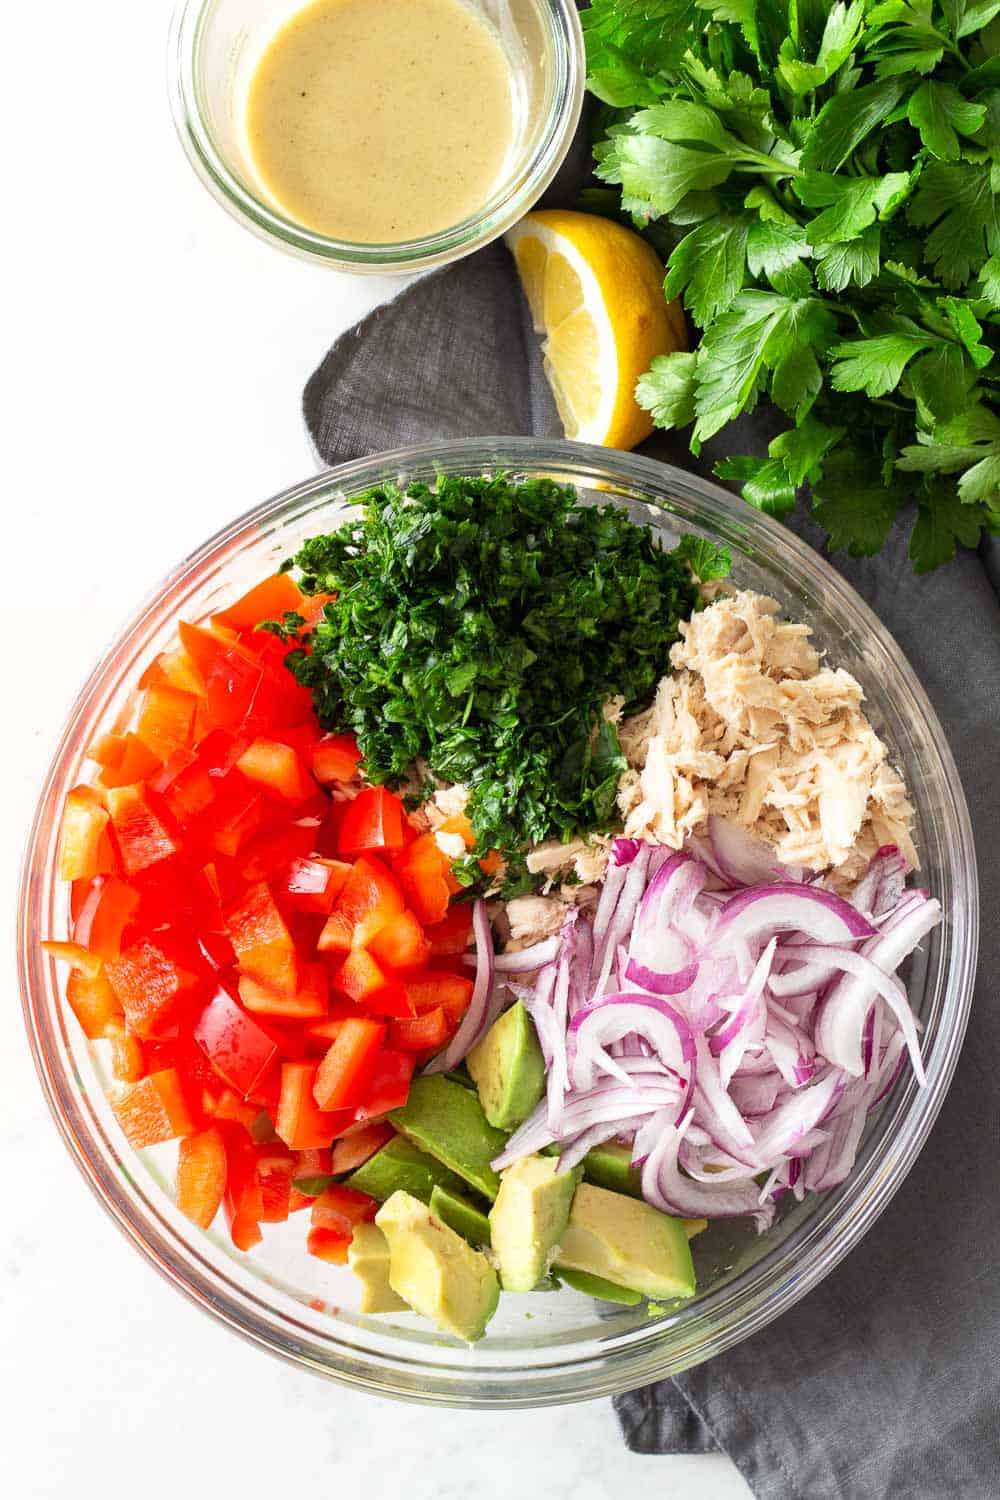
<point x="666" y="1188"/>
<point x="527" y="959"/>
<point x="840" y="1026"/>
<point x="882" y="886"/>
<point x="620" y="923"/>
<point x="658" y="983"/>
<point x="744" y="859"/>
<point x="477" y="1017"/>
<point x="793" y="1052"/>
<point x="754" y="916"/>
<point x="616" y="1016"/>
<point x="757" y="1095"/>
<point x="797" y="1115"/>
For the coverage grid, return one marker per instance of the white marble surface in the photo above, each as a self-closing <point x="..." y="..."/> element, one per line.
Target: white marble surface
<point x="153" y="356"/>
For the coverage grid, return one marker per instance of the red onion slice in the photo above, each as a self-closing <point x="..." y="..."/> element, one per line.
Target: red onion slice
<point x="528" y="959"/>
<point x="477" y="1018"/>
<point x="754" y="916"/>
<point x="664" y="1186"/>
<point x="616" y="1016"/>
<point x="744" y="859"/>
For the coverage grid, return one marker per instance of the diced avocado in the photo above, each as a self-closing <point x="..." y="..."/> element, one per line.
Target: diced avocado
<point x="401" y="1165"/>
<point x="447" y="1120"/>
<point x="626" y="1241"/>
<point x="461" y="1215"/>
<point x="596" y="1286"/>
<point x="694" y="1226"/>
<point x="508" y="1069"/>
<point x="610" y="1166"/>
<point x="368" y="1258"/>
<point x="528" y="1219"/>
<point x="435" y="1271"/>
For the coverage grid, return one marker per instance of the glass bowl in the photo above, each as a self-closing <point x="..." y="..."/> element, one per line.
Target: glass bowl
<point x="545" y="1347"/>
<point x="215" y="46"/>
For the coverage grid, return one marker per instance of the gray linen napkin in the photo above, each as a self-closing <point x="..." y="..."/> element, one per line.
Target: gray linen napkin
<point x="884" y="1383"/>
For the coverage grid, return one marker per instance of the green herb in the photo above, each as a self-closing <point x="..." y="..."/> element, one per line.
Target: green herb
<point x="828" y="179"/>
<point x="480" y="626"/>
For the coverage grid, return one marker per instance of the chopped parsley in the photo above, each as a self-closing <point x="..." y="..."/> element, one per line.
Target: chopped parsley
<point x="480" y="626"/>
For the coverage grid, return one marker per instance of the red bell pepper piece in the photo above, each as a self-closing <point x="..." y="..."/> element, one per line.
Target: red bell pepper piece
<point x="335" y="758"/>
<point x="238" y="1047"/>
<point x="107" y="909"/>
<point x="426" y="1033"/>
<point x="452" y="992"/>
<point x="128" y="1064"/>
<point x="243" y="1200"/>
<point x="453" y="933"/>
<point x="136" y="763"/>
<point x="300" y="1123"/>
<point x="342" y="1077"/>
<point x="277" y="770"/>
<point x="357" y="1146"/>
<point x="308" y="1002"/>
<point x="401" y="944"/>
<point x="313" y="884"/>
<point x="184" y="784"/>
<point x="275" y="1164"/>
<point x="363" y="980"/>
<point x="422" y="870"/>
<point x="166" y="719"/>
<point x="201" y="1175"/>
<point x="389" y="1087"/>
<point x="152" y="1110"/>
<point x="93" y="1002"/>
<point x="84" y="847"/>
<point x="271" y="856"/>
<point x="269" y="600"/>
<point x="78" y="958"/>
<point x="149" y="985"/>
<point x="143" y="834"/>
<point x="370" y="897"/>
<point x="374" y="821"/>
<point x="328" y="1245"/>
<point x="339" y="1208"/>
<point x="307" y="1164"/>
<point x="262" y="942"/>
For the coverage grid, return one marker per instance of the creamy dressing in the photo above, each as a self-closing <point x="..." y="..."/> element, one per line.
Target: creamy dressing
<point x="380" y="120"/>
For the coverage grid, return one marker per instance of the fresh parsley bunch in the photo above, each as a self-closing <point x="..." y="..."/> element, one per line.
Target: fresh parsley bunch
<point x="829" y="177"/>
<point x="480" y="626"/>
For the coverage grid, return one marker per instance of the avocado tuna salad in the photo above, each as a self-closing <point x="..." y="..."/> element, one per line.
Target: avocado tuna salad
<point x="511" y="894"/>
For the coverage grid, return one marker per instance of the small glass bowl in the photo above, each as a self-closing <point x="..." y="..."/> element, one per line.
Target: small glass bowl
<point x="215" y="46"/>
<point x="545" y="1347"/>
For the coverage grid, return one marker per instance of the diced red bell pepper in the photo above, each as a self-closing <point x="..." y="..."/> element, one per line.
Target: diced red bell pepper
<point x="241" y="691"/>
<point x="137" y="763"/>
<point x="339" y="1208"/>
<point x="235" y="817"/>
<point x="335" y="758"/>
<point x="423" y="873"/>
<point x="308" y="1002"/>
<point x="228" y="1105"/>
<point x="142" y="834"/>
<point x="307" y="1164"/>
<point x="166" y="719"/>
<point x="107" y="910"/>
<point x="401" y="945"/>
<point x="184" y="784"/>
<point x="152" y="1110"/>
<point x="84" y="847"/>
<point x="243" y="1200"/>
<point x="313" y="884"/>
<point x="277" y="770"/>
<point x="374" y="821"/>
<point x="127" y="1061"/>
<point x="356" y="1146"/>
<point x="107" y="750"/>
<point x="149" y="985"/>
<point x="389" y="1087"/>
<point x="300" y="1122"/>
<point x="371" y="896"/>
<point x="271" y="856"/>
<point x="342" y="1077"/>
<point x="238" y="1047"/>
<point x="77" y="958"/>
<point x="177" y="670"/>
<point x="426" y="1033"/>
<point x="452" y="992"/>
<point x="263" y="944"/>
<point x="453" y="933"/>
<point x="93" y="1002"/>
<point x="201" y="1175"/>
<point x="362" y="979"/>
<point x="268" y="600"/>
<point x="219" y="751"/>
<point x="275" y="1164"/>
<point x="328" y="1245"/>
<point x="337" y="935"/>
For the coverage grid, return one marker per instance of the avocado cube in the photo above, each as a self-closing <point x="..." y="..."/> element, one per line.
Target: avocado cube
<point x="400" y="1165"/>
<point x="628" y="1242"/>
<point x="528" y="1219"/>
<point x="508" y="1069"/>
<point x="461" y="1215"/>
<point x="368" y="1258"/>
<point x="447" y="1120"/>
<point x="435" y="1271"/>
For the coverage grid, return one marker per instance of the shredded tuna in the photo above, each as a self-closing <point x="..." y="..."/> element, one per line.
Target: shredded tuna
<point x="753" y="727"/>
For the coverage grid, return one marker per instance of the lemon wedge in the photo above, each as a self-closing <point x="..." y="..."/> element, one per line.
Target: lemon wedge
<point x="595" y="291"/>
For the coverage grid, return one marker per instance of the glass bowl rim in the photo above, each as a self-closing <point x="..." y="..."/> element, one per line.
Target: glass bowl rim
<point x="721" y="1318"/>
<point x="420" y="252"/>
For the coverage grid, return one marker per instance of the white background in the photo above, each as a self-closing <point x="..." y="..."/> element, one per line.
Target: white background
<point x="153" y="356"/>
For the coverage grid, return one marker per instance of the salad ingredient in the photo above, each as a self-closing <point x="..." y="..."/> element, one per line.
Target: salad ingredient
<point x="261" y="978"/>
<point x="595" y="291"/>
<point x="823" y="176"/>
<point x="459" y="631"/>
<point x="609" y="1165"/>
<point x="400" y="1166"/>
<point x="752" y="732"/>
<point x="788" y="1029"/>
<point x="380" y="122"/>
<point x="598" y="1287"/>
<point x="626" y="1242"/>
<point x="508" y="1069"/>
<point x="480" y="1010"/>
<point x="529" y="1218"/>
<point x="368" y="1258"/>
<point x="461" y="1215"/>
<point x="446" y="1120"/>
<point x="435" y="1271"/>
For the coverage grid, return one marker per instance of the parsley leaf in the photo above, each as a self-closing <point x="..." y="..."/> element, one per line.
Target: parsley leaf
<point x="707" y="560"/>
<point x="765" y="482"/>
<point x="941" y="114"/>
<point x="709" y="267"/>
<point x="959" y="199"/>
<point x="943" y="522"/>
